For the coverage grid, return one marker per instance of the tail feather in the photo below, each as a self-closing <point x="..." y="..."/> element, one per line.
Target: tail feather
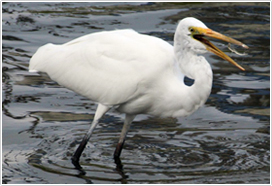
<point x="38" y="61"/>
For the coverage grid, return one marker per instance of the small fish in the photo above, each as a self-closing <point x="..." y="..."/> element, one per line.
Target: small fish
<point x="234" y="51"/>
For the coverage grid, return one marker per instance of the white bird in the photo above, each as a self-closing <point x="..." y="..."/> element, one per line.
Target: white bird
<point x="135" y="73"/>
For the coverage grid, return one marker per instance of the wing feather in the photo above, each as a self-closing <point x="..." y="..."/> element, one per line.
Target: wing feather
<point x="106" y="67"/>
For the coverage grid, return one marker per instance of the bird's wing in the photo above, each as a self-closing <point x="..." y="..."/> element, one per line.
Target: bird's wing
<point x="108" y="67"/>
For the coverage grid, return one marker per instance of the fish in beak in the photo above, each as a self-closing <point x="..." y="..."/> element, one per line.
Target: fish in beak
<point x="199" y="33"/>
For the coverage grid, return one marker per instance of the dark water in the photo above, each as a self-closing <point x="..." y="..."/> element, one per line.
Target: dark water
<point x="226" y="141"/>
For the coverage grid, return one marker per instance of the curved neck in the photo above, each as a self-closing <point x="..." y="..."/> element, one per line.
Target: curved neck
<point x="202" y="86"/>
<point x="196" y="67"/>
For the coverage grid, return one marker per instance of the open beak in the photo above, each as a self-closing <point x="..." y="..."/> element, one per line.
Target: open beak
<point x="201" y="32"/>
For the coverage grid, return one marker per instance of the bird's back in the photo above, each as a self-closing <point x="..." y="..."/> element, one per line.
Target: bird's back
<point x="109" y="67"/>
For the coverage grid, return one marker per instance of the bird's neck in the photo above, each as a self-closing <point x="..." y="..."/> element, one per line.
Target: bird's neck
<point x="197" y="68"/>
<point x="203" y="78"/>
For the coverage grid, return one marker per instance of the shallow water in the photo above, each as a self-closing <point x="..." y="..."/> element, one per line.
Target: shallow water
<point x="225" y="141"/>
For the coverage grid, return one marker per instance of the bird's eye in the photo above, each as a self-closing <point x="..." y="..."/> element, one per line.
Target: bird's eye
<point x="191" y="29"/>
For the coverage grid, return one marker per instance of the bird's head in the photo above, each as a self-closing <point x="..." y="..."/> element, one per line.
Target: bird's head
<point x="193" y="32"/>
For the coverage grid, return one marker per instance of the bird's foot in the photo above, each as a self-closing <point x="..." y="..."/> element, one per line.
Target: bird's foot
<point x="119" y="169"/>
<point x="75" y="162"/>
<point x="118" y="162"/>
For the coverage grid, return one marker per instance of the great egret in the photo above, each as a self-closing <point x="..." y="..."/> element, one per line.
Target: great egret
<point x="135" y="73"/>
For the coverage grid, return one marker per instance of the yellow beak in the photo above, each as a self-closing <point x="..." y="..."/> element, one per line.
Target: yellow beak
<point x="199" y="33"/>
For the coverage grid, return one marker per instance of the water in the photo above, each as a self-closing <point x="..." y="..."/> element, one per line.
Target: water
<point x="225" y="141"/>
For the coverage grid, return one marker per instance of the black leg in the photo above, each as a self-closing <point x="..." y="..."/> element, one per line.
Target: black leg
<point x="119" y="147"/>
<point x="101" y="110"/>
<point x="119" y="169"/>
<point x="116" y="156"/>
<point x="118" y="150"/>
<point x="77" y="154"/>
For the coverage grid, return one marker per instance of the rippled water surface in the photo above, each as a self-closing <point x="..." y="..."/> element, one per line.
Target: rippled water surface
<point x="225" y="141"/>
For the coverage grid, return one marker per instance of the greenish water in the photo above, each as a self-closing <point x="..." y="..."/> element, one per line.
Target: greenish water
<point x="226" y="141"/>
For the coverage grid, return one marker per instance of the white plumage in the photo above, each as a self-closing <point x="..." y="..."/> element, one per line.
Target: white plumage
<point x="133" y="72"/>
